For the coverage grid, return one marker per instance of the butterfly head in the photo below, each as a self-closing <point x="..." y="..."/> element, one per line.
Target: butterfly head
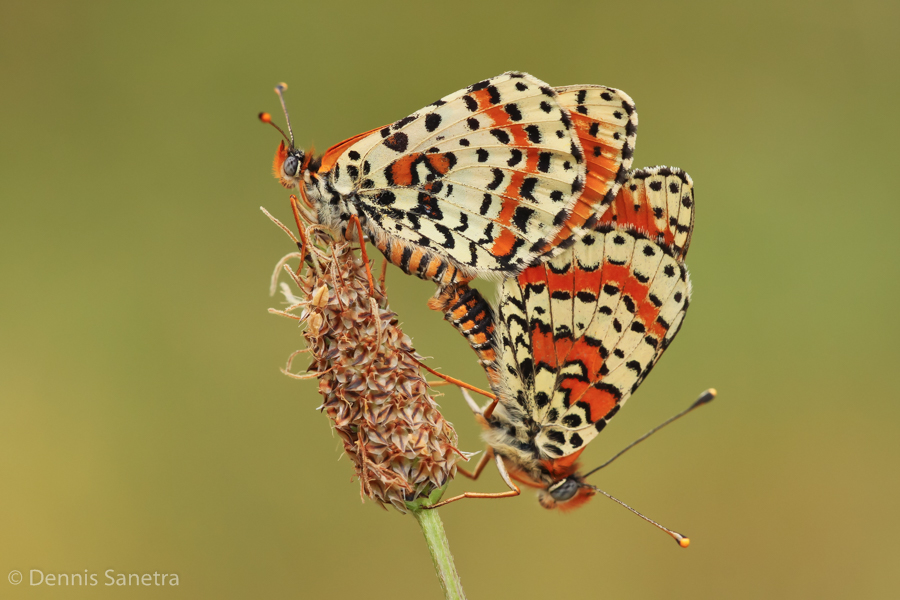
<point x="288" y="165"/>
<point x="566" y="494"/>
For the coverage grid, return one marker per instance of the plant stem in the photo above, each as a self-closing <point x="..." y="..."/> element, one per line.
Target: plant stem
<point x="433" y="528"/>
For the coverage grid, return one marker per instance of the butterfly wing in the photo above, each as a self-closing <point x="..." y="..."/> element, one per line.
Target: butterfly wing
<point x="605" y="123"/>
<point x="580" y="332"/>
<point x="658" y="201"/>
<point x="486" y="175"/>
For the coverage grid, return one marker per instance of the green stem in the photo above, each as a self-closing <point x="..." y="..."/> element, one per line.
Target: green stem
<point x="433" y="528"/>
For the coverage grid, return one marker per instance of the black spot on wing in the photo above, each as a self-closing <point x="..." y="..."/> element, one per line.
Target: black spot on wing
<point x="572" y="420"/>
<point x="501" y="136"/>
<point x="402" y="122"/>
<point x="449" y="241"/>
<point x="428" y="205"/>
<point x="544" y="162"/>
<point x="385" y="198"/>
<point x="432" y="121"/>
<point x="398" y="142"/>
<point x="513" y="111"/>
<point x="556" y="436"/>
<point x="527" y="188"/>
<point x="498" y="179"/>
<point x="485" y="205"/>
<point x="521" y="216"/>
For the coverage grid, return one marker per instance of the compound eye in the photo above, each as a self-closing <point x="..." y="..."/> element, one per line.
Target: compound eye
<point x="565" y="490"/>
<point x="290" y="165"/>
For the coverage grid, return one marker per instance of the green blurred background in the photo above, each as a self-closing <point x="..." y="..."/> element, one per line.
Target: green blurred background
<point x="144" y="425"/>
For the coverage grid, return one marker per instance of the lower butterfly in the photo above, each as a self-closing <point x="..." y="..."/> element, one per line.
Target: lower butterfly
<point x="486" y="180"/>
<point x="574" y="337"/>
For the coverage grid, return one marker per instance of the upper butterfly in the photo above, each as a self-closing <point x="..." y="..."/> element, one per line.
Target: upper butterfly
<point x="487" y="180"/>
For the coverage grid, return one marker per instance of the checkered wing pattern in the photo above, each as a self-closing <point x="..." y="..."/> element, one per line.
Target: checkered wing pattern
<point x="606" y="126"/>
<point x="658" y="201"/>
<point x="486" y="176"/>
<point x="578" y="334"/>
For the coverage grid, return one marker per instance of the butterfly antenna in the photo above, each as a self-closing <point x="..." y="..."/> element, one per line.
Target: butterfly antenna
<point x="279" y="89"/>
<point x="683" y="541"/>
<point x="705" y="398"/>
<point x="267" y="118"/>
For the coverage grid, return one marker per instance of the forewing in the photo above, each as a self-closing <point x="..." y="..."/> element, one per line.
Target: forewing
<point x="497" y="165"/>
<point x="628" y="302"/>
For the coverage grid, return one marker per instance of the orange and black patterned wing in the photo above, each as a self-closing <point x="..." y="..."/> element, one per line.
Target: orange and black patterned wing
<point x="659" y="202"/>
<point x="605" y="122"/>
<point x="579" y="333"/>
<point x="485" y="176"/>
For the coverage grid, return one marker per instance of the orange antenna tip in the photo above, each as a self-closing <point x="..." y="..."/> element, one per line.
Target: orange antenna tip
<point x="683" y="541"/>
<point x="265" y="117"/>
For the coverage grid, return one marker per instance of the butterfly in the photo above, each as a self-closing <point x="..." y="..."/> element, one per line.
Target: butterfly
<point x="573" y="337"/>
<point x="487" y="180"/>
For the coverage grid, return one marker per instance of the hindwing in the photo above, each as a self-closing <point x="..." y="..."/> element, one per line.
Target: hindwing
<point x="606" y="125"/>
<point x="658" y="201"/>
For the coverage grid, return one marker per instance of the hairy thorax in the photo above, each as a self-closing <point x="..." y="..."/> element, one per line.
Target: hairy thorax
<point x="332" y="208"/>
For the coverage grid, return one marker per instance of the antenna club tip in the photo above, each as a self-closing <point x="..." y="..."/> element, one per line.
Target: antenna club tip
<point x="684" y="542"/>
<point x="281" y="87"/>
<point x="265" y="117"/>
<point x="706" y="397"/>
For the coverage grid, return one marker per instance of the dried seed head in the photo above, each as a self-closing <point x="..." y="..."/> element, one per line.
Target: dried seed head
<point x="401" y="447"/>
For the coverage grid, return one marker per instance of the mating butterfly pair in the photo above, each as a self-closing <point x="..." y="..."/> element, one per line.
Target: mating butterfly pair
<point x="532" y="183"/>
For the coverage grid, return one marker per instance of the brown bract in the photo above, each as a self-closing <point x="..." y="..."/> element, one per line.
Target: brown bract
<point x="401" y="447"/>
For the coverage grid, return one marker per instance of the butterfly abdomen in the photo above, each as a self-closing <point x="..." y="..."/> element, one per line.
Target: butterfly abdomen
<point x="414" y="260"/>
<point x="467" y="310"/>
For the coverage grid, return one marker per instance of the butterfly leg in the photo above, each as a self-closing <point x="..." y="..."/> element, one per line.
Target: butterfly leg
<point x="354" y="221"/>
<point x="513" y="491"/>
<point x="301" y="230"/>
<point x="482" y="463"/>
<point x="455" y="381"/>
<point x="481" y="414"/>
